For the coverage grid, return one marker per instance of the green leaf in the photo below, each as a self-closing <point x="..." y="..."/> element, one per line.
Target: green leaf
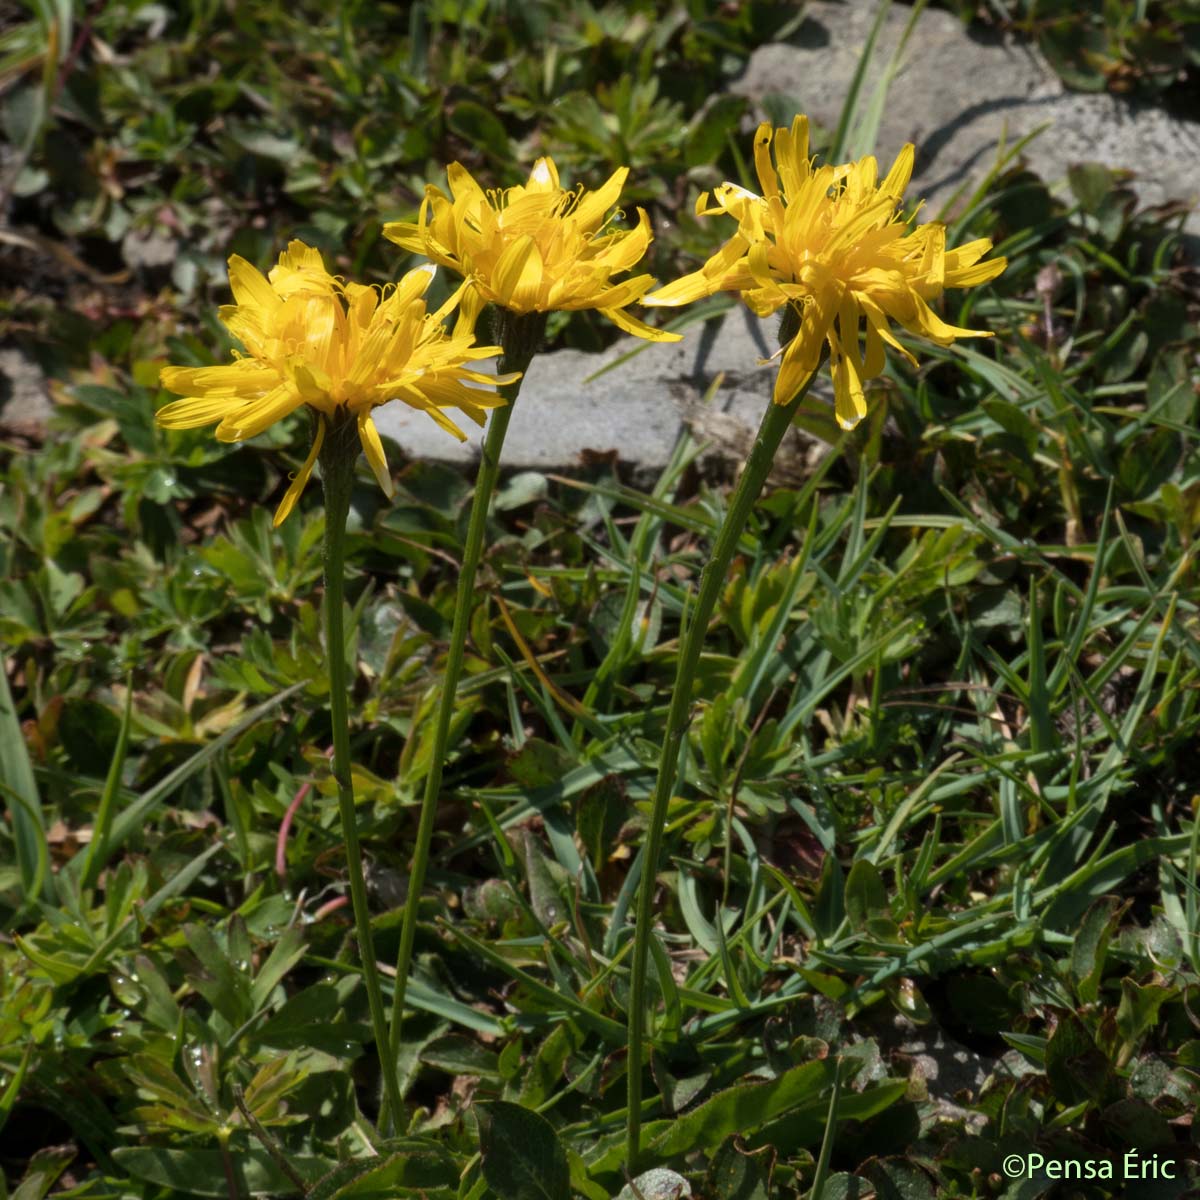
<point x="1090" y="947"/>
<point x="89" y="731"/>
<point x="522" y="1156"/>
<point x="219" y="981"/>
<point x="195" y="1172"/>
<point x="601" y="814"/>
<point x="458" y="1055"/>
<point x="421" y="1166"/>
<point x="267" y="145"/>
<point x="307" y="1021"/>
<point x="539" y="763"/>
<point x="707" y="134"/>
<point x="807" y="1123"/>
<point x="1012" y="419"/>
<point x="1075" y="1066"/>
<point x="866" y="896"/>
<point x="736" y="1174"/>
<point x="158" y="1003"/>
<point x="134" y="816"/>
<point x="841" y="1186"/>
<point x="1170" y="390"/>
<point x="1091" y="183"/>
<point x="1138" y="1010"/>
<point x="18" y="788"/>
<point x="895" y="1179"/>
<point x="285" y="954"/>
<point x="23" y="115"/>
<point x="830" y="906"/>
<point x="741" y="1109"/>
<point x="44" y="1168"/>
<point x="481" y="128"/>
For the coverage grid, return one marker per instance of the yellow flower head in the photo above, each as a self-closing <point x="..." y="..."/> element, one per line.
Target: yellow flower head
<point x="830" y="242"/>
<point x="537" y="247"/>
<point x="340" y="348"/>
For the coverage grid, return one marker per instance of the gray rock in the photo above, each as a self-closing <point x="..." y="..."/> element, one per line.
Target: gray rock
<point x="657" y="1184"/>
<point x="24" y="397"/>
<point x="636" y="408"/>
<point x="958" y="94"/>
<point x="148" y="249"/>
<point x="948" y="1071"/>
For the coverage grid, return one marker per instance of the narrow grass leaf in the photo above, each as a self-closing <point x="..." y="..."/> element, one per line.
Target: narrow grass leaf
<point x="18" y="785"/>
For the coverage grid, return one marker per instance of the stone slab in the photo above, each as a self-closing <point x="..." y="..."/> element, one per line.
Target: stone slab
<point x="637" y="407"/>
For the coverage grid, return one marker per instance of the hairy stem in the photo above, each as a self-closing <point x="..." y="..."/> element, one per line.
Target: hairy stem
<point x="519" y="337"/>
<point x="338" y="456"/>
<point x="774" y="425"/>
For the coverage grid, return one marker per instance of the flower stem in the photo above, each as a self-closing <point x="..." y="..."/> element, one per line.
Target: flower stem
<point x="520" y="336"/>
<point x="774" y="425"/>
<point x="338" y="456"/>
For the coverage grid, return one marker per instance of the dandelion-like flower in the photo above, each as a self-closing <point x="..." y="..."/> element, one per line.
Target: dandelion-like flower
<point x="340" y="348"/>
<point x="535" y="248"/>
<point x="830" y="242"/>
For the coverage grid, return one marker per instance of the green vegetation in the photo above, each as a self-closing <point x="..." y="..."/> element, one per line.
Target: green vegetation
<point x="1149" y="48"/>
<point x="946" y="772"/>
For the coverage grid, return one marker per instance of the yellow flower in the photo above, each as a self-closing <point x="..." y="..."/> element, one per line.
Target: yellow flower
<point x="830" y="242"/>
<point x="340" y="348"/>
<point x="537" y="247"/>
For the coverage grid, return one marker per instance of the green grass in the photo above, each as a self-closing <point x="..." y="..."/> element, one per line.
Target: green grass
<point x="945" y="770"/>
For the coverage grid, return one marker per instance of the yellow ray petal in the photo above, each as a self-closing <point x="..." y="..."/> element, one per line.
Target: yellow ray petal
<point x="518" y="275"/>
<point x="972" y="276"/>
<point x="373" y="449"/>
<point x="413" y="284"/>
<point x="251" y="419"/>
<point x="250" y="287"/>
<point x="877" y="322"/>
<point x="245" y="378"/>
<point x="896" y="180"/>
<point x="470" y="305"/>
<point x="406" y="234"/>
<point x="301" y="477"/>
<point x="622" y="320"/>
<point x="592" y="206"/>
<point x="791" y="155"/>
<point x="195" y="411"/>
<point x="462" y="185"/>
<point x="543" y="177"/>
<point x="850" y="405"/>
<point x="762" y="160"/>
<point x="413" y="397"/>
<point x="928" y="324"/>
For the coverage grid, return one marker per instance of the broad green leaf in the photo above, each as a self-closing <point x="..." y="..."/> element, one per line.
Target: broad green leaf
<point x="866" y="896"/>
<point x="522" y="1156"/>
<point x="735" y="1174"/>
<point x="200" y="1172"/>
<point x="45" y="1166"/>
<point x="1090" y="947"/>
<point x="741" y="1109"/>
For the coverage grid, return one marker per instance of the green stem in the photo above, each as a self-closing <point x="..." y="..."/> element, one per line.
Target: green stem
<point x="774" y="425"/>
<point x="338" y="456"/>
<point x="520" y="337"/>
<point x="97" y="851"/>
